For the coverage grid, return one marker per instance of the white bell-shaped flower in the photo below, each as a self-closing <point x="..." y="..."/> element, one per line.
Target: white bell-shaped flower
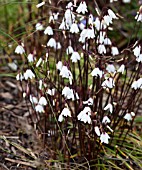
<point x="48" y="31"/>
<point x="107" y="41"/>
<point x="74" y="28"/>
<point x="39" y="27"/>
<point x="101" y="49"/>
<point x="109" y="107"/>
<point x="82" y="8"/>
<point x="51" y="43"/>
<point x="83" y="35"/>
<point x="28" y="74"/>
<point x="137" y="50"/>
<point x="39" y="108"/>
<point x="105" y="120"/>
<point x="30" y="58"/>
<point x="121" y="69"/>
<point x="97" y="130"/>
<point x="51" y="92"/>
<point x="33" y="99"/>
<point x="91" y="19"/>
<point x="112" y="14"/>
<point x="114" y="51"/>
<point x="42" y="101"/>
<point x="69" y="17"/>
<point x="97" y="72"/>
<point x="110" y="68"/>
<point x="19" y="77"/>
<point x="66" y="112"/>
<point x="89" y="102"/>
<point x="19" y="49"/>
<point x="59" y="65"/>
<point x="69" y="50"/>
<point x="107" y="20"/>
<point x="138" y="17"/>
<point x="84" y="115"/>
<point x="104" y="138"/>
<point x="109" y="83"/>
<point x="129" y="116"/>
<point x="68" y="93"/>
<point x="139" y="58"/>
<point x="75" y="56"/>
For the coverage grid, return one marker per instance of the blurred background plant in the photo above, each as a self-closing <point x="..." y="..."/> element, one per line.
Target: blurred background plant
<point x="74" y="144"/>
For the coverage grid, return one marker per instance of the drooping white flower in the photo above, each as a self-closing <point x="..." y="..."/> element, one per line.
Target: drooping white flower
<point x="137" y="84"/>
<point x="63" y="25"/>
<point x="28" y="74"/>
<point x="39" y="27"/>
<point x="68" y="93"/>
<point x="112" y="14"/>
<point x="19" y="49"/>
<point x="134" y="85"/>
<point x="107" y="20"/>
<point x="65" y="73"/>
<point x="138" y="17"/>
<point x="109" y="107"/>
<point x="69" y="17"/>
<point x="97" y="72"/>
<point x="40" y="4"/>
<point x="90" y="33"/>
<point x="69" y="5"/>
<point x="39" y="108"/>
<point x="89" y="102"/>
<point x="75" y="56"/>
<point x="97" y="130"/>
<point x="58" y="46"/>
<point x="74" y="28"/>
<point x="55" y="15"/>
<point x="109" y="83"/>
<point x="69" y="50"/>
<point x="48" y="31"/>
<point x="82" y="8"/>
<point x="83" y="35"/>
<point x="139" y="58"/>
<point x="84" y="115"/>
<point x="59" y="65"/>
<point x="61" y="118"/>
<point x="129" y="116"/>
<point x="19" y="77"/>
<point x="51" y="43"/>
<point x="121" y="69"/>
<point x="33" y="99"/>
<point x="42" y="101"/>
<point x="65" y="112"/>
<point x="101" y="49"/>
<point x="110" y="68"/>
<point x="51" y="92"/>
<point x="114" y="51"/>
<point x="30" y="58"/>
<point x="107" y="41"/>
<point x="137" y="50"/>
<point x="97" y="24"/>
<point x="105" y="120"/>
<point x="91" y="19"/>
<point x="104" y="138"/>
<point x="101" y="37"/>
